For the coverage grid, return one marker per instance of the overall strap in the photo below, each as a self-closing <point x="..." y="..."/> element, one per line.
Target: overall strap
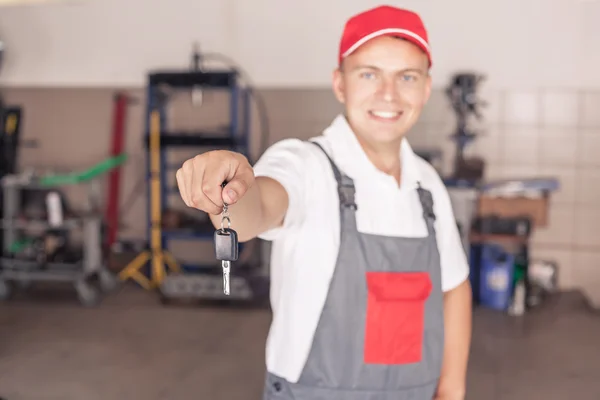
<point x="346" y="188"/>
<point x="426" y="200"/>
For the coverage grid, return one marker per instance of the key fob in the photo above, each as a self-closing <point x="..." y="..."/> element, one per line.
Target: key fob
<point x="226" y="244"/>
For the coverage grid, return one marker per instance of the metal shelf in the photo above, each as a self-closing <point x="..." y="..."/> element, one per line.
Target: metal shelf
<point x="187" y="79"/>
<point x="235" y="137"/>
<point x="195" y="139"/>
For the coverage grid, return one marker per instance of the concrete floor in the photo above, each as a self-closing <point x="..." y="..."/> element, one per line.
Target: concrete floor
<point x="132" y="347"/>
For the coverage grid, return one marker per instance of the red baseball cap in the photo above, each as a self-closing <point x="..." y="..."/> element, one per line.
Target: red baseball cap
<point x="383" y="21"/>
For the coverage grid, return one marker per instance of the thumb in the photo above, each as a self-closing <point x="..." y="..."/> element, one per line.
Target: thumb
<point x="229" y="195"/>
<point x="235" y="189"/>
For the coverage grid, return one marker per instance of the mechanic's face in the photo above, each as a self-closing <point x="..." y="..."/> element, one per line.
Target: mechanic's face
<point x="384" y="85"/>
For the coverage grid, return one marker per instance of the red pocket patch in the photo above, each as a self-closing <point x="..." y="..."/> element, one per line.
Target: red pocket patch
<point x="395" y="316"/>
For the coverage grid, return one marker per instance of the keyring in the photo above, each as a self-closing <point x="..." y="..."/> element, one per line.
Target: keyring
<point x="228" y="223"/>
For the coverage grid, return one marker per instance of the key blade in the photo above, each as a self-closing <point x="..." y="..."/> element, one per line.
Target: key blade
<point x="226" y="267"/>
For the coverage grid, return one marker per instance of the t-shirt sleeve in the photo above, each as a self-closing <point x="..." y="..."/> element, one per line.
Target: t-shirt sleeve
<point x="286" y="162"/>
<point x="454" y="262"/>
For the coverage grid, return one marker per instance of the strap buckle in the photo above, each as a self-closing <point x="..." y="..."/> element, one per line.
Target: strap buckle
<point x="346" y="192"/>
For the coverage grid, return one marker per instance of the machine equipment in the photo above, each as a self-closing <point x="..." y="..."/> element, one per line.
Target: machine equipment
<point x="467" y="173"/>
<point x="462" y="93"/>
<point x="189" y="280"/>
<point x="37" y="225"/>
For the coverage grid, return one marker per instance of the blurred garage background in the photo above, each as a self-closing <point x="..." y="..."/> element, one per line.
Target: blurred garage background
<point x="513" y="126"/>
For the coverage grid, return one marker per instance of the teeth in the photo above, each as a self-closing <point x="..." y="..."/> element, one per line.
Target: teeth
<point x="385" y="114"/>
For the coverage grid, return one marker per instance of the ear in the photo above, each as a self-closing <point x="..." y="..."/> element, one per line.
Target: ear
<point x="338" y="84"/>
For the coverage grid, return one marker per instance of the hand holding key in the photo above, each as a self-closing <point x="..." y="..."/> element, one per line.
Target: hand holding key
<point x="200" y="182"/>
<point x="200" y="178"/>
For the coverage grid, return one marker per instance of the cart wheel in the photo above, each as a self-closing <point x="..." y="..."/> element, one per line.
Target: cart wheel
<point x="6" y="290"/>
<point x="108" y="281"/>
<point x="87" y="294"/>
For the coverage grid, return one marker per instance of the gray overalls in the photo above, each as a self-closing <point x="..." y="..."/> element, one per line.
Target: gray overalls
<point x="381" y="332"/>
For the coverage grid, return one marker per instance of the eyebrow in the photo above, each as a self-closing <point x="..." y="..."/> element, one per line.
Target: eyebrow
<point x="417" y="70"/>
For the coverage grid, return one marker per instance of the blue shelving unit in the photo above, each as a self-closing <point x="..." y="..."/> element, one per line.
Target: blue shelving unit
<point x="237" y="138"/>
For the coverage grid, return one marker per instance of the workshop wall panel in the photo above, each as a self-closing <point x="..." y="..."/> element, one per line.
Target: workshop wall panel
<point x="80" y="119"/>
<point x="283" y="44"/>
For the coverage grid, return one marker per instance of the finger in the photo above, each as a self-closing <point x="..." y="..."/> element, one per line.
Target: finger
<point x="208" y="205"/>
<point x="181" y="186"/>
<point x="221" y="169"/>
<point x="194" y="182"/>
<point x="196" y="189"/>
<point x="238" y="186"/>
<point x="211" y="186"/>
<point x="187" y="178"/>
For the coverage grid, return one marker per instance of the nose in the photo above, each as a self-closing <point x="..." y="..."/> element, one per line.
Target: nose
<point x="388" y="90"/>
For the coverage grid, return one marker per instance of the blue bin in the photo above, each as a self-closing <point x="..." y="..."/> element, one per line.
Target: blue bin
<point x="496" y="277"/>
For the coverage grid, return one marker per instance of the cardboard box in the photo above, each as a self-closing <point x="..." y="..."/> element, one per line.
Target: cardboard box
<point x="534" y="208"/>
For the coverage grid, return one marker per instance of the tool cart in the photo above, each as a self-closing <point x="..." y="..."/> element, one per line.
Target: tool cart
<point x="45" y="240"/>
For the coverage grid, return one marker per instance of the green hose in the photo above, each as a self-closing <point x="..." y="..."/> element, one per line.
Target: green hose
<point x="20" y="245"/>
<point x="87" y="175"/>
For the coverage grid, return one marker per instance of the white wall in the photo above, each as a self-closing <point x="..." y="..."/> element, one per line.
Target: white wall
<point x="518" y="43"/>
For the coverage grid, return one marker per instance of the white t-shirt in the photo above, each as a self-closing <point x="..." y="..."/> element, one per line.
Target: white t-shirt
<point x="304" y="250"/>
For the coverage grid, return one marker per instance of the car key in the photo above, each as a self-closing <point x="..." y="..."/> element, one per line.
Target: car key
<point x="226" y="248"/>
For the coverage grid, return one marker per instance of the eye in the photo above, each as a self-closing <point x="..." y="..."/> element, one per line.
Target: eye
<point x="367" y="75"/>
<point x="409" y="78"/>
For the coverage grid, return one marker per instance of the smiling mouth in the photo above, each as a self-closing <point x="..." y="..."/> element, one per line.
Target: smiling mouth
<point x="386" y="115"/>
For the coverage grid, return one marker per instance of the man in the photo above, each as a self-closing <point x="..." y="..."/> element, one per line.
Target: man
<point x="370" y="294"/>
